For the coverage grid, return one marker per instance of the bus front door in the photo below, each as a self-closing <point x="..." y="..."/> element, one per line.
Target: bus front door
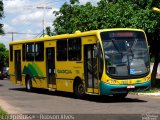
<point x="17" y="59"/>
<point x="50" y="67"/>
<point x="90" y="69"/>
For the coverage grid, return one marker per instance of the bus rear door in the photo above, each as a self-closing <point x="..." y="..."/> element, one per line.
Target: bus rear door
<point x="17" y="60"/>
<point x="50" y="67"/>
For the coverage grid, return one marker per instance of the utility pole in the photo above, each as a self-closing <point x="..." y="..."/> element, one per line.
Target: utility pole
<point x="12" y="33"/>
<point x="43" y="21"/>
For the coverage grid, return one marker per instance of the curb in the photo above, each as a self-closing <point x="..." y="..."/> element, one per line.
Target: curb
<point x="150" y="94"/>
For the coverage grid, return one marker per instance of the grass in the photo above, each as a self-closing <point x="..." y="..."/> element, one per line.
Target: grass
<point x="4" y="115"/>
<point x="152" y="90"/>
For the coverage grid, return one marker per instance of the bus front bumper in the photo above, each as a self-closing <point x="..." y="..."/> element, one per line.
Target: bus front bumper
<point x="108" y="89"/>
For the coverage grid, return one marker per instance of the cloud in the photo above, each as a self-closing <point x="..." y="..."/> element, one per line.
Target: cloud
<point x="35" y="18"/>
<point x="27" y="18"/>
<point x="5" y="40"/>
<point x="23" y="16"/>
<point x="22" y="6"/>
<point x="12" y="6"/>
<point x="8" y="27"/>
<point x="27" y="36"/>
<point x="94" y="2"/>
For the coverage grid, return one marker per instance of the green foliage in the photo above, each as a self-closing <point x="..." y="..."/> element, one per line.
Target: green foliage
<point x="1" y="15"/>
<point x="3" y="56"/>
<point x="128" y="13"/>
<point x="74" y="1"/>
<point x="49" y="32"/>
<point x="72" y="17"/>
<point x="107" y="14"/>
<point x="4" y="115"/>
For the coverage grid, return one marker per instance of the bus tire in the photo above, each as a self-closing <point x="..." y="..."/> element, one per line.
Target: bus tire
<point x="120" y="95"/>
<point x="29" y="87"/>
<point x="79" y="90"/>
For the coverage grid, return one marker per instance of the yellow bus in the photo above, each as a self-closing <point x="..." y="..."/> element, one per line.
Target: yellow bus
<point x="99" y="62"/>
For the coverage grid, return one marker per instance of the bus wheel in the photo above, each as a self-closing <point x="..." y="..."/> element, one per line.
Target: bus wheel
<point x="79" y="90"/>
<point x="120" y="95"/>
<point x="29" y="84"/>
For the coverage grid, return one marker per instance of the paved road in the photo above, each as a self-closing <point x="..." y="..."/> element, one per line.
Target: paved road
<point x="15" y="99"/>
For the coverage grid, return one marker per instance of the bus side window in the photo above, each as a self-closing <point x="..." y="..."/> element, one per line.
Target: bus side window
<point x="24" y="52"/>
<point x="11" y="52"/>
<point x="62" y="50"/>
<point x="39" y="51"/>
<point x="30" y="52"/>
<point x="74" y="49"/>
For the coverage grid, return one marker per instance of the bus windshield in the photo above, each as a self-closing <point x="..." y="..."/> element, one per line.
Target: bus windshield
<point x="126" y="53"/>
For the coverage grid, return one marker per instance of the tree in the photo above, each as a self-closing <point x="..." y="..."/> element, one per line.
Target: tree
<point x="1" y="15"/>
<point x="49" y="32"/>
<point x="3" y="56"/>
<point x="112" y="14"/>
<point x="72" y="17"/>
<point x="108" y="14"/>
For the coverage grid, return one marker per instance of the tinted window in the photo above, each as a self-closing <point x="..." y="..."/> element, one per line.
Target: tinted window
<point x="24" y="52"/>
<point x="39" y="51"/>
<point x="11" y="52"/>
<point x="30" y="52"/>
<point x="126" y="53"/>
<point x="62" y="50"/>
<point x="74" y="49"/>
<point x="121" y="34"/>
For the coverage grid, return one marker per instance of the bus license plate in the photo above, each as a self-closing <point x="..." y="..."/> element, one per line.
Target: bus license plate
<point x="130" y="86"/>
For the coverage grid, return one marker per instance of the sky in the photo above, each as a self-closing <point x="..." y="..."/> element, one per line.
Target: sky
<point x="25" y="16"/>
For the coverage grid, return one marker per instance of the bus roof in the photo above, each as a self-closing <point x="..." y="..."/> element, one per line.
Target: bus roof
<point x="76" y="34"/>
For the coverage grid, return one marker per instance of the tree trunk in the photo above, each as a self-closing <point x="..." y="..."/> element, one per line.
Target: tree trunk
<point x="154" y="71"/>
<point x="156" y="53"/>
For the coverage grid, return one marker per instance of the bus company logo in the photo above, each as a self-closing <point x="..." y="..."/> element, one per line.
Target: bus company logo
<point x="64" y="71"/>
<point x="33" y="70"/>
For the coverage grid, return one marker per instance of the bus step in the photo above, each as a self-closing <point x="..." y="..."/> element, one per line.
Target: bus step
<point x="19" y="84"/>
<point x="51" y="89"/>
<point x="92" y="93"/>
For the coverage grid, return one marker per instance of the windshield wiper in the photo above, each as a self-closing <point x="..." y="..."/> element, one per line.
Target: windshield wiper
<point x="135" y="42"/>
<point x="116" y="47"/>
